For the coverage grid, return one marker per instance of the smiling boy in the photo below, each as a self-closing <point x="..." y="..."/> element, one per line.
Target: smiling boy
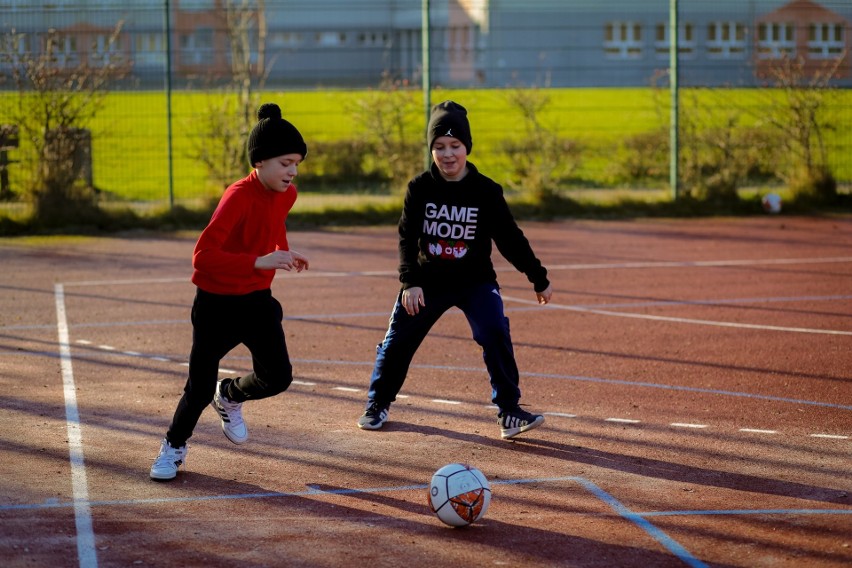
<point x="450" y="217"/>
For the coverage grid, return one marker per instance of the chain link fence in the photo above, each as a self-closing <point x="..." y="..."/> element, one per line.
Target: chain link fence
<point x="562" y="94"/>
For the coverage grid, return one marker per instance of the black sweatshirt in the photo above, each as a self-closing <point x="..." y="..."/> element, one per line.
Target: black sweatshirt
<point x="446" y="229"/>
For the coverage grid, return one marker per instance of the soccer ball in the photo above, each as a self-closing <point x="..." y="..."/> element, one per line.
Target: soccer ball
<point x="771" y="203"/>
<point x="459" y="494"/>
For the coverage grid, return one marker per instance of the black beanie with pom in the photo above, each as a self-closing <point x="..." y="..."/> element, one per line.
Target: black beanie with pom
<point x="273" y="136"/>
<point x="449" y="119"/>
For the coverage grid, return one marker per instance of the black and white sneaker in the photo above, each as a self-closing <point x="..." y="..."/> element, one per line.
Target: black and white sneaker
<point x="168" y="462"/>
<point x="513" y="422"/>
<point x="374" y="417"/>
<point x="231" y="415"/>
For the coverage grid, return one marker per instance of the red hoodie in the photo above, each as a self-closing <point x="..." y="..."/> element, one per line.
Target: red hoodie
<point x="247" y="223"/>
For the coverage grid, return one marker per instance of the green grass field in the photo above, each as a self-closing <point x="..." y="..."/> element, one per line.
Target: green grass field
<point x="130" y="134"/>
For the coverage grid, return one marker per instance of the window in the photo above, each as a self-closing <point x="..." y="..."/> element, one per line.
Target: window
<point x="63" y="48"/>
<point x="19" y="45"/>
<point x="685" y="40"/>
<point x="197" y="47"/>
<point x="726" y="40"/>
<point x="149" y="48"/>
<point x="373" y="39"/>
<point x="330" y="39"/>
<point x="285" y="39"/>
<point x="104" y="50"/>
<point x="623" y="40"/>
<point x="826" y="41"/>
<point x="776" y="40"/>
<point x="147" y="42"/>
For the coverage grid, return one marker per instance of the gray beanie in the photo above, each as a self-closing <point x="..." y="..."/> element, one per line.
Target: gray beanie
<point x="449" y="119"/>
<point x="273" y="136"/>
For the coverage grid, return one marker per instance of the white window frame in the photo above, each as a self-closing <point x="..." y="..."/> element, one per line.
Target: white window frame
<point x="779" y="40"/>
<point x="730" y="47"/>
<point x="686" y="43"/>
<point x="623" y="40"/>
<point x="66" y="52"/>
<point x="148" y="48"/>
<point x="104" y="51"/>
<point x="826" y="40"/>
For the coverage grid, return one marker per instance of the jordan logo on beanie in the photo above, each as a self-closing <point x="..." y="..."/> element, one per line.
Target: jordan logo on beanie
<point x="449" y="117"/>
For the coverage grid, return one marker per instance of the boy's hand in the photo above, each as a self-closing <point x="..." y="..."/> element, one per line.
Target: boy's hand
<point x="282" y="259"/>
<point x="543" y="297"/>
<point x="300" y="261"/>
<point x="412" y="299"/>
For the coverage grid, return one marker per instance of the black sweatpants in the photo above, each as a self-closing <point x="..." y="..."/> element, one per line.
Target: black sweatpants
<point x="219" y="324"/>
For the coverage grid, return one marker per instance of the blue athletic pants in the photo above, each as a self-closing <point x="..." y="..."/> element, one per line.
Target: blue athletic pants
<point x="483" y="308"/>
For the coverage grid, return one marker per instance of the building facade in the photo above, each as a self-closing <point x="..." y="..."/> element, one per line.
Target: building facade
<point x="474" y="43"/>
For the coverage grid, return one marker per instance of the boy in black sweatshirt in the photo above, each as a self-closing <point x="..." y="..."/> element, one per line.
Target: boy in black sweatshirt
<point x="450" y="217"/>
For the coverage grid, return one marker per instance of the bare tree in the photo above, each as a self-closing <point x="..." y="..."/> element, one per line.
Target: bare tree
<point x="394" y="134"/>
<point x="59" y="97"/>
<point x="799" y="119"/>
<point x="543" y="158"/>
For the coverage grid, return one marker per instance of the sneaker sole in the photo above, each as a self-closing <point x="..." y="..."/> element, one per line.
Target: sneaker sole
<point x="160" y="477"/>
<point x="232" y="438"/>
<point x="508" y="433"/>
<point x="369" y="426"/>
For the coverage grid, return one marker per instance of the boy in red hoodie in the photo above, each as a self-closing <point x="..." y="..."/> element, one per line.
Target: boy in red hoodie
<point x="234" y="262"/>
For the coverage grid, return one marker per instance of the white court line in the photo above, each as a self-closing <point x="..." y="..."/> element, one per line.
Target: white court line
<point x="603" y="266"/>
<point x="689" y="425"/>
<point x="678" y="320"/>
<point x="703" y="263"/>
<point x="86" y="552"/>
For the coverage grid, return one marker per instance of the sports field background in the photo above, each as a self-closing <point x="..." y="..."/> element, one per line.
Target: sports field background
<point x="131" y="152"/>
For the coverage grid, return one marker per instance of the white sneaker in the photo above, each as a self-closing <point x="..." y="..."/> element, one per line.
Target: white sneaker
<point x="232" y="416"/>
<point x="167" y="463"/>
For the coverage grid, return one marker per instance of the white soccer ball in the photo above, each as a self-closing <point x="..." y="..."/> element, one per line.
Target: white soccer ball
<point x="459" y="494"/>
<point x="771" y="203"/>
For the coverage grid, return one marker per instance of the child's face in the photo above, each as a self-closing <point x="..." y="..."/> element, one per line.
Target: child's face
<point x="277" y="173"/>
<point x="450" y="155"/>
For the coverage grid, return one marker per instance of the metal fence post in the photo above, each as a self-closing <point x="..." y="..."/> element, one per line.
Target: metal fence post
<point x="673" y="86"/>
<point x="167" y="18"/>
<point x="427" y="67"/>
